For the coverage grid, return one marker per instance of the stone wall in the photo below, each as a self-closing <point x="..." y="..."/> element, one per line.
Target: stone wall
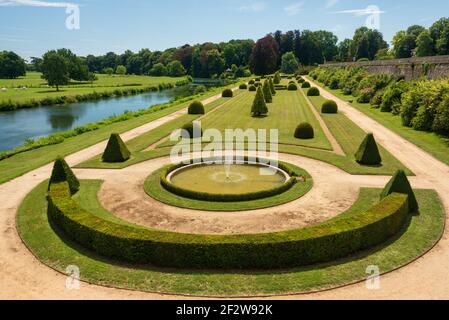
<point x="412" y="68"/>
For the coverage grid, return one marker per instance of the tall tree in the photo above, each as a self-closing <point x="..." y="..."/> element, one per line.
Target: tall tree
<point x="425" y="45"/>
<point x="11" y="65"/>
<point x="55" y="69"/>
<point x="265" y="56"/>
<point x="289" y="63"/>
<point x="344" y="50"/>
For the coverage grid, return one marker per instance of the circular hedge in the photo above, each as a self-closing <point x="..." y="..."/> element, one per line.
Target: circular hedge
<point x="227" y="93"/>
<point x="329" y="106"/>
<point x="190" y="129"/>
<point x="292" y="87"/>
<point x="243" y="86"/>
<point x="313" y="92"/>
<point x="304" y="131"/>
<point x="305" y="85"/>
<point x="252" y="88"/>
<point x="196" y="107"/>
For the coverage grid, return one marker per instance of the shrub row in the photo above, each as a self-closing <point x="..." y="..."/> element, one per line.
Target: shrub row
<point x="326" y="242"/>
<point x="422" y="104"/>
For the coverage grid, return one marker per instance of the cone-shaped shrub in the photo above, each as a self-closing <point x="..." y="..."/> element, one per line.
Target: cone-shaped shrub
<point x="259" y="106"/>
<point x="62" y="173"/>
<point x="277" y="78"/>
<point x="368" y="153"/>
<point x="267" y="92"/>
<point x="400" y="184"/>
<point x="273" y="90"/>
<point x="116" y="150"/>
<point x="252" y="88"/>
<point x="304" y="131"/>
<point x="329" y="106"/>
<point x="305" y="85"/>
<point x="313" y="92"/>
<point x="292" y="87"/>
<point x="193" y="129"/>
<point x="196" y="107"/>
<point x="243" y="86"/>
<point x="227" y="93"/>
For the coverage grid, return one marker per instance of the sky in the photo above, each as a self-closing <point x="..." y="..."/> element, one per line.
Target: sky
<point x="32" y="27"/>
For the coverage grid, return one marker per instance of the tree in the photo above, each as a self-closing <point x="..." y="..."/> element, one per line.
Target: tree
<point x="77" y="67"/>
<point x="214" y="62"/>
<point x="403" y="44"/>
<point x="289" y="63"/>
<point x="344" y="50"/>
<point x="273" y="90"/>
<point x="442" y="44"/>
<point x="11" y="65"/>
<point x="259" y="107"/>
<point x="121" y="70"/>
<point x="366" y="43"/>
<point x="436" y="32"/>
<point x="108" y="71"/>
<point x="267" y="92"/>
<point x="424" y="44"/>
<point x="265" y="56"/>
<point x="158" y="70"/>
<point x="55" y="69"/>
<point x="92" y="78"/>
<point x="176" y="69"/>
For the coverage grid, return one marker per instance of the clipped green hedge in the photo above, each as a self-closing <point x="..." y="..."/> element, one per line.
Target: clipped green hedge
<point x="116" y="151"/>
<point x="326" y="242"/>
<point x="243" y="86"/>
<point x="227" y="93"/>
<point x="313" y="92"/>
<point x="196" y="107"/>
<point x="329" y="106"/>
<point x="62" y="173"/>
<point x="304" y="131"/>
<point x="305" y="85"/>
<point x="292" y="87"/>
<point x="252" y="88"/>
<point x="214" y="197"/>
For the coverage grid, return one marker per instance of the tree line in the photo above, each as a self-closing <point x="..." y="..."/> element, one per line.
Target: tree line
<point x="239" y="58"/>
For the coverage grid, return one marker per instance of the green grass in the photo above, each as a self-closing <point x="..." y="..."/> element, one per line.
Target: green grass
<point x="154" y="189"/>
<point x="24" y="162"/>
<point x="37" y="88"/>
<point x="422" y="233"/>
<point x="430" y="142"/>
<point x="348" y="134"/>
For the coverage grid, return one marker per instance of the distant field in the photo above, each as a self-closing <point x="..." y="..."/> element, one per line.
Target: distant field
<point x="37" y="87"/>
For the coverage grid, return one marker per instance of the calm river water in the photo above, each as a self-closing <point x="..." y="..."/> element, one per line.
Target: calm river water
<point x="17" y="126"/>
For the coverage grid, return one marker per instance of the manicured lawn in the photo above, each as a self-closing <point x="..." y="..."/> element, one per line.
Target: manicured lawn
<point x="37" y="88"/>
<point x="58" y="252"/>
<point x="24" y="162"/>
<point x="428" y="141"/>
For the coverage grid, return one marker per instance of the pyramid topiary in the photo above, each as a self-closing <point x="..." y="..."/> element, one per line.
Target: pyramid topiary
<point x="267" y="92"/>
<point x="259" y="107"/>
<point x="273" y="90"/>
<point x="116" y="150"/>
<point x="400" y="184"/>
<point x="196" y="107"/>
<point x="368" y="153"/>
<point x="62" y="173"/>
<point x="277" y="78"/>
<point x="304" y="131"/>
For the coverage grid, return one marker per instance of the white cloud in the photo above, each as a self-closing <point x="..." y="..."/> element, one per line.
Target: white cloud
<point x="254" y="7"/>
<point x="294" y="9"/>
<point x="35" y="3"/>
<point x="331" y="3"/>
<point x="360" y="12"/>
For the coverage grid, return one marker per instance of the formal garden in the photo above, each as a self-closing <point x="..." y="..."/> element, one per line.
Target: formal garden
<point x="234" y="221"/>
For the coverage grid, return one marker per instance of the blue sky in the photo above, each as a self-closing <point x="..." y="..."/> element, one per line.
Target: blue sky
<point x="31" y="27"/>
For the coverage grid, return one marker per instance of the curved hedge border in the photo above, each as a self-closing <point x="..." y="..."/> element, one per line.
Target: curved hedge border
<point x="213" y="197"/>
<point x="322" y="243"/>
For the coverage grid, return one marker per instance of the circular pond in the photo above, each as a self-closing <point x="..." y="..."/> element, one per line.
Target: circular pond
<point x="227" y="179"/>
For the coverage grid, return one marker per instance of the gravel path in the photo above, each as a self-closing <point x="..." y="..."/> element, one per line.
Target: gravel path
<point x="23" y="277"/>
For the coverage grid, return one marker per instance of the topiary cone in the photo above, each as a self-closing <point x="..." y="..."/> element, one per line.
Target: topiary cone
<point x="267" y="92"/>
<point x="259" y="107"/>
<point x="400" y="184"/>
<point x="116" y="150"/>
<point x="62" y="173"/>
<point x="368" y="153"/>
<point x="273" y="90"/>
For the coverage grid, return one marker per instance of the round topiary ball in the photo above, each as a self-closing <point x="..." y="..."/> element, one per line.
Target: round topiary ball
<point x="292" y="87"/>
<point x="305" y="85"/>
<point x="227" y="93"/>
<point x="252" y="88"/>
<point x="257" y="84"/>
<point x="329" y="106"/>
<point x="251" y="81"/>
<point x="301" y="80"/>
<point x="243" y="86"/>
<point x="196" y="107"/>
<point x="190" y="129"/>
<point x="304" y="131"/>
<point x="313" y="92"/>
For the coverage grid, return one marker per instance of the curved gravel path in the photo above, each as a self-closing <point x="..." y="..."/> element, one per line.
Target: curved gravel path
<point x="23" y="277"/>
